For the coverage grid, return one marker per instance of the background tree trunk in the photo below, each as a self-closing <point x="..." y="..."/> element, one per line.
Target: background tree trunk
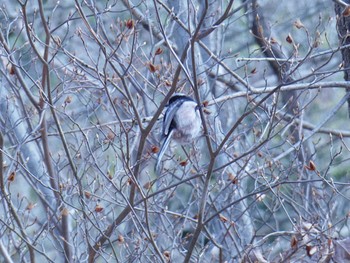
<point x="343" y="29"/>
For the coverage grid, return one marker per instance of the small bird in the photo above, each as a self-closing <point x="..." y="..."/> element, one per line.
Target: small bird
<point x="181" y="122"/>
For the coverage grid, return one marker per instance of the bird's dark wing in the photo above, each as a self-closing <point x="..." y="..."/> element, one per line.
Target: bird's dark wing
<point x="169" y="115"/>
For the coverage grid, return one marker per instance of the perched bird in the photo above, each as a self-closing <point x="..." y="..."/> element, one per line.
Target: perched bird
<point x="181" y="122"/>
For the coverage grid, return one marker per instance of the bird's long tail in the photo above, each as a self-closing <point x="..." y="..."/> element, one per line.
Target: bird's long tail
<point x="162" y="151"/>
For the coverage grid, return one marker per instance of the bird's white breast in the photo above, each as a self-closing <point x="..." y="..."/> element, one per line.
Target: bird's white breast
<point x="188" y="123"/>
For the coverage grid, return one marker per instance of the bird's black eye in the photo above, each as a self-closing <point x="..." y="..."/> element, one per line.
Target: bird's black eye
<point x="198" y="107"/>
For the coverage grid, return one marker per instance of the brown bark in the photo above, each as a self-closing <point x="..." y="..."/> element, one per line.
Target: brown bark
<point x="343" y="28"/>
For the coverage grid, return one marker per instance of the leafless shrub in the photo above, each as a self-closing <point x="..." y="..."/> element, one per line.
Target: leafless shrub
<point x="83" y="88"/>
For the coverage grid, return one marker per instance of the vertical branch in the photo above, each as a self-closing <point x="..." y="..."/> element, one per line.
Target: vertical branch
<point x="10" y="205"/>
<point x="203" y="199"/>
<point x="45" y="82"/>
<point x="5" y="254"/>
<point x="2" y="183"/>
<point x="3" y="250"/>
